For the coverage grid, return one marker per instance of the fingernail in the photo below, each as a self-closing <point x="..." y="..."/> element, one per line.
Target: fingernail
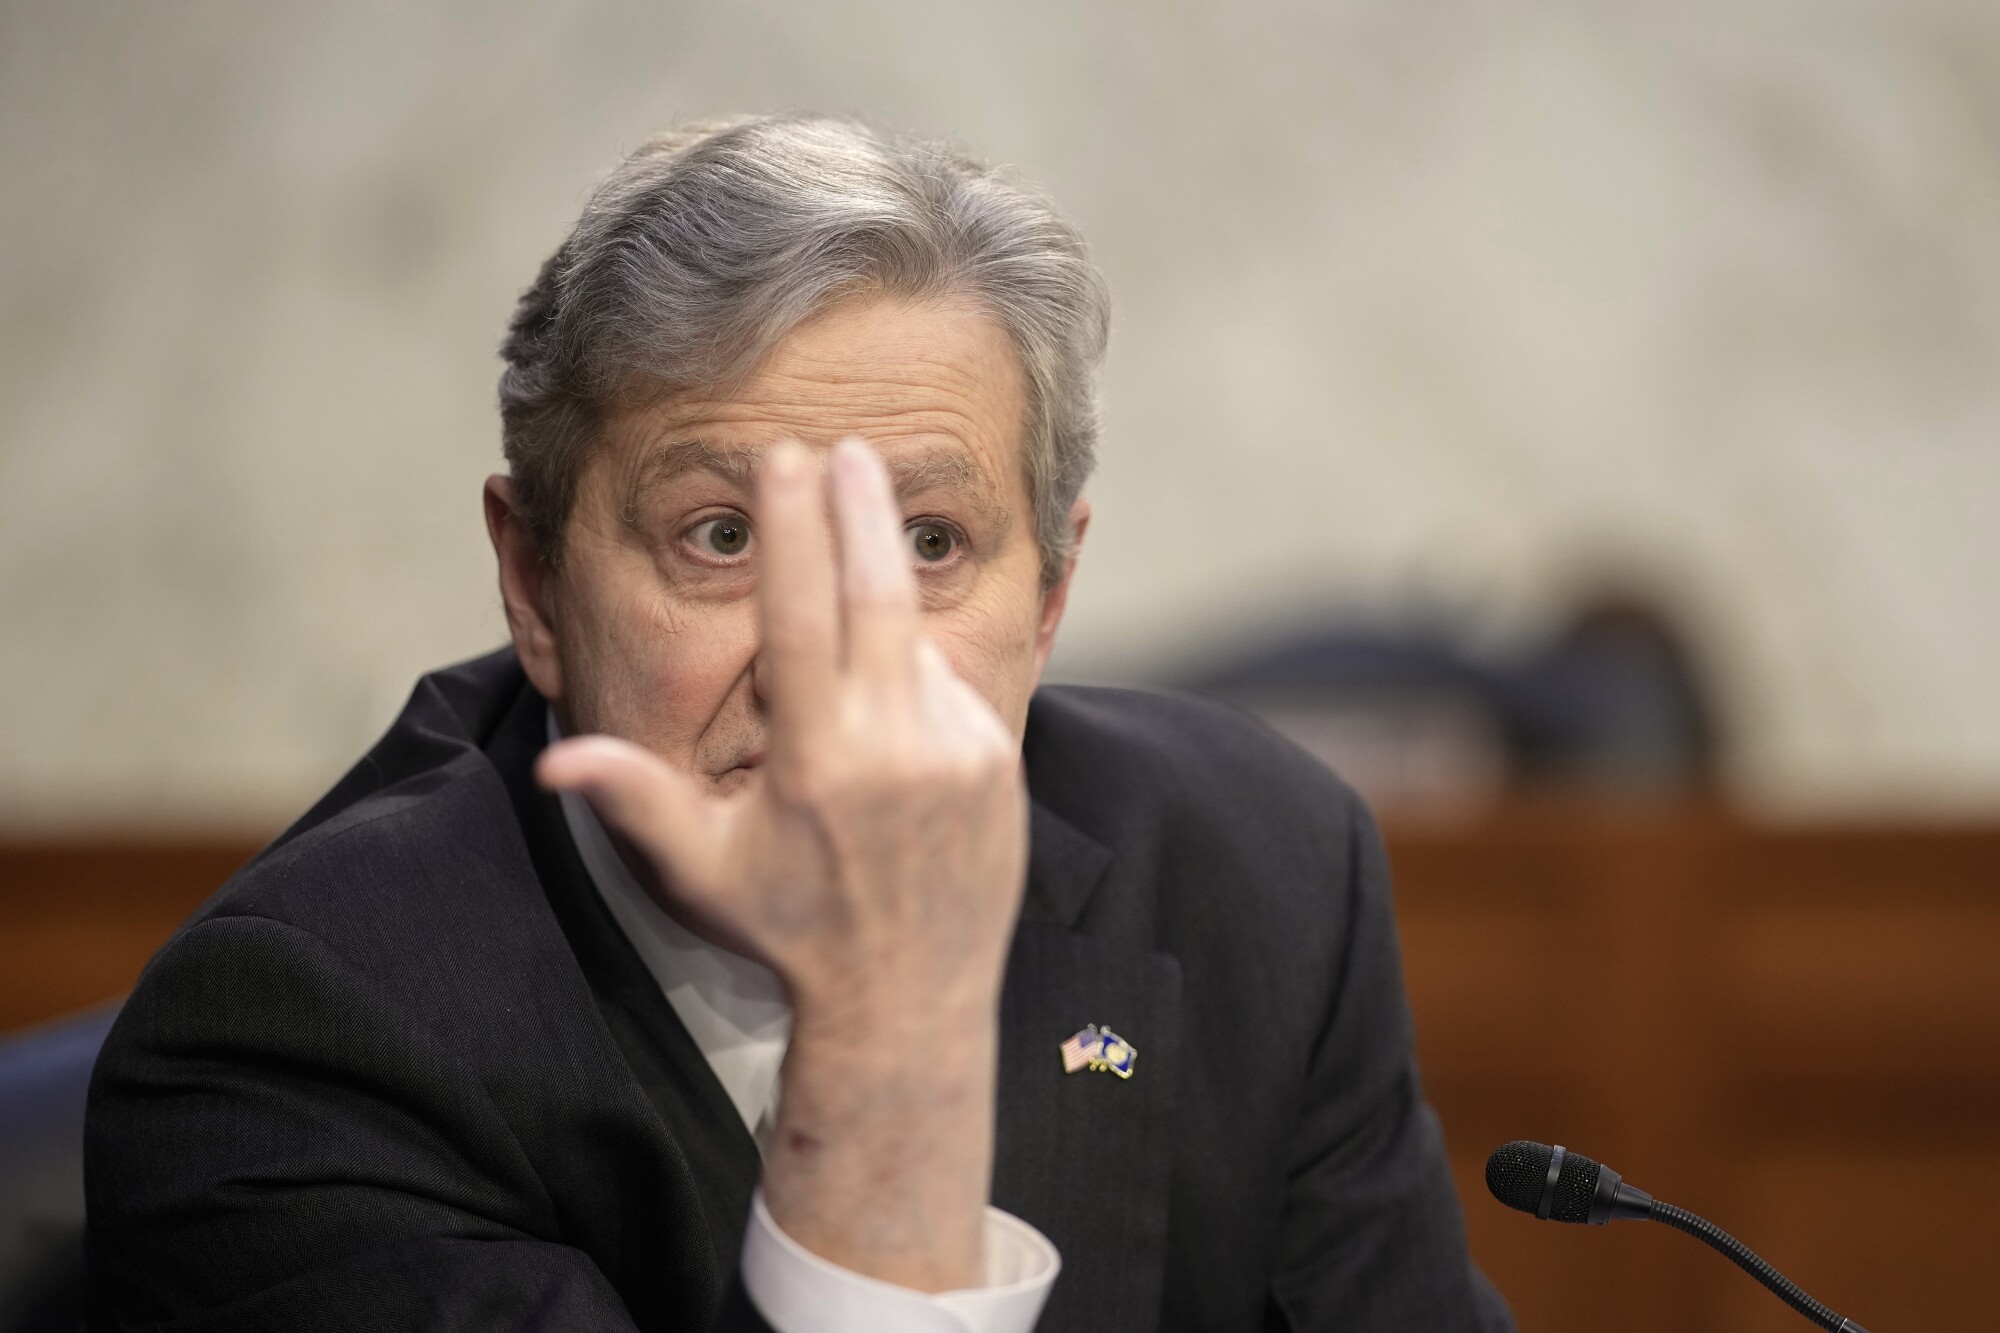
<point x="856" y="450"/>
<point x="785" y="460"/>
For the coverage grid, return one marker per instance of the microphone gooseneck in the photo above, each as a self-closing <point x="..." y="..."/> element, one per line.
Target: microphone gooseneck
<point x="1747" y="1259"/>
<point x="1558" y="1185"/>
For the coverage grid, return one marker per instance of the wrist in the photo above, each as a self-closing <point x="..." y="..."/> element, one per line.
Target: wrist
<point x="891" y="1005"/>
<point x="882" y="1155"/>
<point x="856" y="1041"/>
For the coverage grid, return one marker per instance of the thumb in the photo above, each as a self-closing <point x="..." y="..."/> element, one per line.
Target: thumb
<point x="661" y="810"/>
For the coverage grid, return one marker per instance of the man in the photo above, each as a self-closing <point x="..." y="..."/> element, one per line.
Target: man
<point x="849" y="982"/>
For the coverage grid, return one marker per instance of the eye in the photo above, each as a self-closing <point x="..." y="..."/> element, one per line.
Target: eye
<point x="932" y="541"/>
<point x="721" y="536"/>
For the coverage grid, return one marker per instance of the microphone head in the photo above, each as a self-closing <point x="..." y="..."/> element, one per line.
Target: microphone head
<point x="1518" y="1172"/>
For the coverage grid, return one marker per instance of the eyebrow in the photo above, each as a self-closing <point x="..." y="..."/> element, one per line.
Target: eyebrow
<point x="738" y="466"/>
<point x="670" y="462"/>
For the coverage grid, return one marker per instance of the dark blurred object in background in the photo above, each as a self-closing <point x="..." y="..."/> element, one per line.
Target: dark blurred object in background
<point x="44" y="1074"/>
<point x="1425" y="725"/>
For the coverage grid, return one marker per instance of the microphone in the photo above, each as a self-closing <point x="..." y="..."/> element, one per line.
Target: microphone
<point x="1558" y="1185"/>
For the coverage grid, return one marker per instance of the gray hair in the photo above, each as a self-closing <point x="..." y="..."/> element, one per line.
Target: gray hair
<point x="709" y="245"/>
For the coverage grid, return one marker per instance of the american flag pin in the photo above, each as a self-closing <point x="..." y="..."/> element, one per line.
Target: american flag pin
<point x="1080" y="1050"/>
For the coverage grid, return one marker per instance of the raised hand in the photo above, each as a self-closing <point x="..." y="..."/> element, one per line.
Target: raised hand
<point x="876" y="862"/>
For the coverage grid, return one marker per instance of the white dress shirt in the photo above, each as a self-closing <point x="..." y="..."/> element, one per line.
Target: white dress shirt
<point x="736" y="1012"/>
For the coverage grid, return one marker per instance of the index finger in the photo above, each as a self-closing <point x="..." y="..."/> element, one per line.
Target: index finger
<point x="797" y="610"/>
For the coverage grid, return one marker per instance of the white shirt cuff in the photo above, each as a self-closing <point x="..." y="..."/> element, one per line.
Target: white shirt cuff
<point x="798" y="1292"/>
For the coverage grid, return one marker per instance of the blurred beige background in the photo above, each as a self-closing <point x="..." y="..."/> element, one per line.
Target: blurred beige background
<point x="1461" y="304"/>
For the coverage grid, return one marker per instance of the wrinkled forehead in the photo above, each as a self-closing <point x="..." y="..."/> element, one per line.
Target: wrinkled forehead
<point x="936" y="388"/>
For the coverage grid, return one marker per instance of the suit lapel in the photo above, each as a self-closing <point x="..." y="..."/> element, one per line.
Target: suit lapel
<point x="1086" y="1157"/>
<point x="699" y="1123"/>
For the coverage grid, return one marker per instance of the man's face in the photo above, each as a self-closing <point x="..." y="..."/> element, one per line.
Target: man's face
<point x="649" y="630"/>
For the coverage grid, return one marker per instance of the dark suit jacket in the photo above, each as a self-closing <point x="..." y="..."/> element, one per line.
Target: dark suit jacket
<point x="404" y="1072"/>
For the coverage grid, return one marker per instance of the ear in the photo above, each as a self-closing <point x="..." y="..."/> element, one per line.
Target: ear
<point x="525" y="587"/>
<point x="1057" y="597"/>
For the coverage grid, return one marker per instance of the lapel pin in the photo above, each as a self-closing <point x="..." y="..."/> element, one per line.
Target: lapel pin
<point x="1100" y="1049"/>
